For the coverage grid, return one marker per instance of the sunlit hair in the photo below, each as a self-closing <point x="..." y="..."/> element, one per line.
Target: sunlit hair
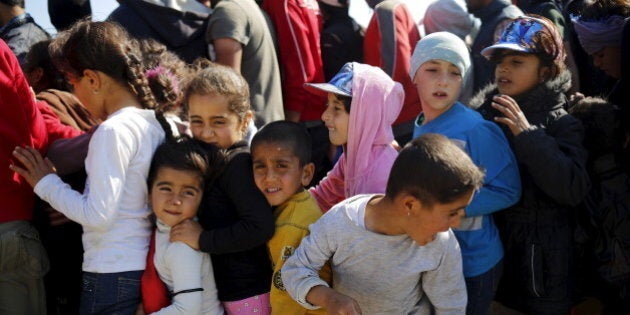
<point x="289" y="134"/>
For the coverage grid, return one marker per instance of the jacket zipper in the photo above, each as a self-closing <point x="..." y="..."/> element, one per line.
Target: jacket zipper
<point x="533" y="271"/>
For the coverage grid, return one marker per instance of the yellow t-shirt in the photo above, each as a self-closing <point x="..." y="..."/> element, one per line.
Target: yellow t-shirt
<point x="292" y="220"/>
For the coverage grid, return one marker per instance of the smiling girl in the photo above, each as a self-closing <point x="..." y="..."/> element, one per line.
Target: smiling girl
<point x="363" y="102"/>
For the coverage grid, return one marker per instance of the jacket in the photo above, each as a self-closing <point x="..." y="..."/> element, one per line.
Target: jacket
<point x="20" y="33"/>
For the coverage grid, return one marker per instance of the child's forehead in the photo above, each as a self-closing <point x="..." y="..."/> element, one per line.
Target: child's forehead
<point x="274" y="146"/>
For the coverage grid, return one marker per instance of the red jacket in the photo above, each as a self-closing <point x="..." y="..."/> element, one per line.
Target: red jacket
<point x="298" y="25"/>
<point x="21" y="124"/>
<point x="389" y="41"/>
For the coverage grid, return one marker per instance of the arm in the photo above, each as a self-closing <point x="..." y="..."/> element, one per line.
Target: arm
<point x="330" y="190"/>
<point x="185" y="265"/>
<point x="489" y="149"/>
<point x="109" y="156"/>
<point x="445" y="286"/>
<point x="68" y="155"/>
<point x="229" y="53"/>
<point x="256" y="223"/>
<point x="556" y="159"/>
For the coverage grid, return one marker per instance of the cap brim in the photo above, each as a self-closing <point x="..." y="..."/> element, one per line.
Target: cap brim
<point x="324" y="88"/>
<point x="487" y="52"/>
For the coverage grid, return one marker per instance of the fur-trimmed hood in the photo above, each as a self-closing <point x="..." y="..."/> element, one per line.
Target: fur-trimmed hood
<point x="544" y="97"/>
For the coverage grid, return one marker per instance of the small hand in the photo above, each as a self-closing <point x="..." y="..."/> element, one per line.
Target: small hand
<point x="342" y="305"/>
<point x="34" y="166"/>
<point x="188" y="232"/>
<point x="514" y="117"/>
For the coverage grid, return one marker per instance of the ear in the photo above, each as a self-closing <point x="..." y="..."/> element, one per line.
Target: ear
<point x="307" y="173"/>
<point x="35" y="76"/>
<point x="94" y="79"/>
<point x="544" y="73"/>
<point x="248" y="119"/>
<point x="410" y="204"/>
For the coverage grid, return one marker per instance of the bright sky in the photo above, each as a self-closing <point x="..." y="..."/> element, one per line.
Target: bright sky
<point x="39" y="10"/>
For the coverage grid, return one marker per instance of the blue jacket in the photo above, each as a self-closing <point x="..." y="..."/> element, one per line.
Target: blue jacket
<point x="488" y="148"/>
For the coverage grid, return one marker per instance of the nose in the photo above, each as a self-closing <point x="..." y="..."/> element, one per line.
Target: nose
<point x="442" y="79"/>
<point x="326" y="113"/>
<point x="207" y="132"/>
<point x="176" y="200"/>
<point x="456" y="221"/>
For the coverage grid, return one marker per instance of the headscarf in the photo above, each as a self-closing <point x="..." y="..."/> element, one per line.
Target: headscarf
<point x="594" y="35"/>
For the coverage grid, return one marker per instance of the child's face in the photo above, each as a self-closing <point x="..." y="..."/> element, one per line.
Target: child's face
<point x="336" y="119"/>
<point x="609" y="60"/>
<point x="426" y="222"/>
<point x="438" y="83"/>
<point x="175" y="195"/>
<point x="83" y="89"/>
<point x="211" y="120"/>
<point x="516" y="74"/>
<point x="277" y="171"/>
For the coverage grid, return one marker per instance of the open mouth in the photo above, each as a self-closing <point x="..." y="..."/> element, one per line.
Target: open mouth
<point x="272" y="190"/>
<point x="439" y="94"/>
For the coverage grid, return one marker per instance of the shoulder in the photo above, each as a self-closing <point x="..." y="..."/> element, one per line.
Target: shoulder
<point x="302" y="210"/>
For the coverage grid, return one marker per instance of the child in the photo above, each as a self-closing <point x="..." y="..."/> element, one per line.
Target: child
<point x="392" y="253"/>
<point x="235" y="220"/>
<point x="176" y="182"/>
<point x="363" y="102"/>
<point x="438" y="67"/>
<point x="527" y="102"/>
<point x="281" y="154"/>
<point x="105" y="71"/>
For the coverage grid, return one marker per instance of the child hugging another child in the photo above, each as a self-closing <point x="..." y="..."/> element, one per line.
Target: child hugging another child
<point x="527" y="101"/>
<point x="281" y="152"/>
<point x="235" y="220"/>
<point x="392" y="253"/>
<point x="363" y="102"/>
<point x="177" y="177"/>
<point x="105" y="70"/>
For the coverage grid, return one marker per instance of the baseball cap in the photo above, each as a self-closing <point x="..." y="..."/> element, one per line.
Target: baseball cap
<point x="519" y="36"/>
<point x="340" y="84"/>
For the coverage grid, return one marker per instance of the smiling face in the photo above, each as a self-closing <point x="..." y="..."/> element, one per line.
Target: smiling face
<point x="211" y="120"/>
<point x="424" y="223"/>
<point x="175" y="195"/>
<point x="336" y="119"/>
<point x="438" y="83"/>
<point x="278" y="173"/>
<point x="516" y="74"/>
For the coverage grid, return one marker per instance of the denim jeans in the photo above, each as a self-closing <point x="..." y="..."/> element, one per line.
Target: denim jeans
<point x="481" y="290"/>
<point x="110" y="293"/>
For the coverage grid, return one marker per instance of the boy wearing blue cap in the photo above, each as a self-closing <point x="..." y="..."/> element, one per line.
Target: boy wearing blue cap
<point x="439" y="65"/>
<point x="527" y="101"/>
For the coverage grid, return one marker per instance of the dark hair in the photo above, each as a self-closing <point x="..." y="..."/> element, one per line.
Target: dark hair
<point x="104" y="47"/>
<point x="287" y="133"/>
<point x="603" y="132"/>
<point x="601" y="9"/>
<point x="221" y="80"/>
<point x="164" y="72"/>
<point x="548" y="46"/>
<point x="434" y="170"/>
<point x="346" y="100"/>
<point x="39" y="57"/>
<point x="11" y="3"/>
<point x="186" y="154"/>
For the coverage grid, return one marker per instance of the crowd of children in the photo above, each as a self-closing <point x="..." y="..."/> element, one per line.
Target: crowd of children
<point x="506" y="198"/>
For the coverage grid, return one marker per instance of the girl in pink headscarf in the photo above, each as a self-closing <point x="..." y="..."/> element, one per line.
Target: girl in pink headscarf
<point x="363" y="102"/>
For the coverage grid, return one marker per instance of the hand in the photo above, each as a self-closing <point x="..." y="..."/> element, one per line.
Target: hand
<point x="514" y="117"/>
<point x="342" y="305"/>
<point x="140" y="310"/>
<point x="56" y="218"/>
<point x="34" y="166"/>
<point x="188" y="232"/>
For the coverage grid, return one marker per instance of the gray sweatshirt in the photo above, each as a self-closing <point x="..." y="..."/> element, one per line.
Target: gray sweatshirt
<point x="385" y="274"/>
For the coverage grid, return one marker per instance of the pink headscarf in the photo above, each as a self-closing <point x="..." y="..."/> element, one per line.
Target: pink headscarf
<point x="376" y="103"/>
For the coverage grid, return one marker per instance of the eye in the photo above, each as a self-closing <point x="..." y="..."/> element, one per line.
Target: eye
<point x="219" y="122"/>
<point x="196" y="122"/>
<point x="282" y="165"/>
<point x="430" y="70"/>
<point x="259" y="166"/>
<point x="164" y="188"/>
<point x="456" y="73"/>
<point x="190" y="193"/>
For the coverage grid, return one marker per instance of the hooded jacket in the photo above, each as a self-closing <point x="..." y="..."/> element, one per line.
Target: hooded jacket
<point x="182" y="31"/>
<point x="536" y="231"/>
<point x="368" y="155"/>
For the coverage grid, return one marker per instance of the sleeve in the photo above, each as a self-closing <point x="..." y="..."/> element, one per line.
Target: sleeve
<point x="228" y="21"/>
<point x="331" y="189"/>
<point x="256" y="223"/>
<point x="300" y="272"/>
<point x="501" y="188"/>
<point x="109" y="155"/>
<point x="298" y="62"/>
<point x="185" y="265"/>
<point x="557" y="160"/>
<point x="445" y="286"/>
<point x="68" y="155"/>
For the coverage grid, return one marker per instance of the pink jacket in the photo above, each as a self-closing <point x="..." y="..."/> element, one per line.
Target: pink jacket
<point x="368" y="156"/>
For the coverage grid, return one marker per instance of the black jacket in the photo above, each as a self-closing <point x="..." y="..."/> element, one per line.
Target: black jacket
<point x="537" y="231"/>
<point x="237" y="222"/>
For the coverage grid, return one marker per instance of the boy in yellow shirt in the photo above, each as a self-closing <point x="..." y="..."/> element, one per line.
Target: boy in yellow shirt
<point x="281" y="152"/>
